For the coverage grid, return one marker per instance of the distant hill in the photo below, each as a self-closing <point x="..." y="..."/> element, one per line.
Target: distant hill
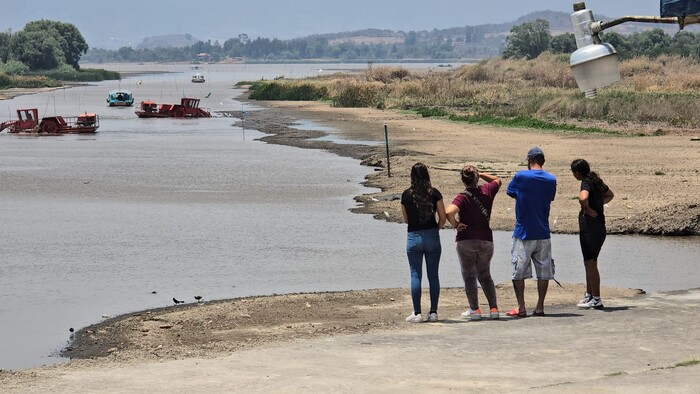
<point x="486" y="40"/>
<point x="167" y="41"/>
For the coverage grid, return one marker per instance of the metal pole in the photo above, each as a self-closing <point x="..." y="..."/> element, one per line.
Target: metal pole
<point x="243" y="125"/>
<point x="386" y="141"/>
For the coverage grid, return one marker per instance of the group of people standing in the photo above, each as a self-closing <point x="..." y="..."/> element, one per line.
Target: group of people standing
<point x="469" y="214"/>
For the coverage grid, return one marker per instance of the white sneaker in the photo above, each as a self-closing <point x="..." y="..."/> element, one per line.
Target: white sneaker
<point x="432" y="317"/>
<point x="472" y="314"/>
<point x="593" y="303"/>
<point x="415" y="318"/>
<point x="584" y="301"/>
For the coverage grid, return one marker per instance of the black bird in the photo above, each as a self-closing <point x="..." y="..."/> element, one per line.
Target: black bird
<point x="198" y="298"/>
<point x="175" y="300"/>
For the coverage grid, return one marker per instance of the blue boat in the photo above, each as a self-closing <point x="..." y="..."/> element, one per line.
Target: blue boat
<point x="120" y="98"/>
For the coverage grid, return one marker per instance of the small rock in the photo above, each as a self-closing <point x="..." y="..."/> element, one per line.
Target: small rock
<point x="166" y="326"/>
<point x="112" y="350"/>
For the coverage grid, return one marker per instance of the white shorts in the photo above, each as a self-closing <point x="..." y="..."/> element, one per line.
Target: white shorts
<point x="537" y="251"/>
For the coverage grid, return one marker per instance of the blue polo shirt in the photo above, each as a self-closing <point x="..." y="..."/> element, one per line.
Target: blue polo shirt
<point x="533" y="191"/>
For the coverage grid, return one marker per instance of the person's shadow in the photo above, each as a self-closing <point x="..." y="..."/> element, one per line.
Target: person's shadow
<point x="617" y="308"/>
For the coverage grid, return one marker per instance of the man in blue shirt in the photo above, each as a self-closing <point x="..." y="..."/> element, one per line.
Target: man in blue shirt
<point x="533" y="191"/>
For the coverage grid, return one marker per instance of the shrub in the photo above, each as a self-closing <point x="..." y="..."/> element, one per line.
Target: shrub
<point x="292" y="91"/>
<point x="358" y="95"/>
<point x="68" y="73"/>
<point x="386" y="74"/>
<point x="432" y="112"/>
<point x="33" y="81"/>
<point x="478" y="73"/>
<point x="15" y="67"/>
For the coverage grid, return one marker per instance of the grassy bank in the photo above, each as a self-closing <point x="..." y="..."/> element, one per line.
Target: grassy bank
<point x="54" y="78"/>
<point x="539" y="93"/>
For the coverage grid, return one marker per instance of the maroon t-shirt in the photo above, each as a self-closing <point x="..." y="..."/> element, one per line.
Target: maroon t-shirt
<point x="471" y="214"/>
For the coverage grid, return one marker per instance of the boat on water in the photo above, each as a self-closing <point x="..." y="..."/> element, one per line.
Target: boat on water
<point x="120" y="98"/>
<point x="198" y="78"/>
<point x="188" y="108"/>
<point x="28" y="122"/>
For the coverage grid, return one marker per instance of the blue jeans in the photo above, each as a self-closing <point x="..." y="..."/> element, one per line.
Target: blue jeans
<point x="418" y="244"/>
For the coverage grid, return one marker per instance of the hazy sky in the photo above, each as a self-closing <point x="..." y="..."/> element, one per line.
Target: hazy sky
<point x="118" y="23"/>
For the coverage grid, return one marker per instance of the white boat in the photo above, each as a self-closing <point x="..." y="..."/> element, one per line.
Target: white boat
<point x="198" y="78"/>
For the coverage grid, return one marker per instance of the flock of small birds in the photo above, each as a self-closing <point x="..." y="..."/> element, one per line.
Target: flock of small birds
<point x="197" y="298"/>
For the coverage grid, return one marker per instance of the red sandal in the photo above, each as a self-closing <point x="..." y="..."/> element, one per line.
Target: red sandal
<point x="515" y="312"/>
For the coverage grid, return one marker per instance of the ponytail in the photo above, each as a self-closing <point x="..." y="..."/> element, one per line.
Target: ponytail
<point x="582" y="167"/>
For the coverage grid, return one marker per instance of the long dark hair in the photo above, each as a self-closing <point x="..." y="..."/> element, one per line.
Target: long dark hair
<point x="582" y="167"/>
<point x="421" y="191"/>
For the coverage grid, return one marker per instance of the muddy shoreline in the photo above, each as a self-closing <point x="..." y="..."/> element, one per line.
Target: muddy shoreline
<point x="657" y="213"/>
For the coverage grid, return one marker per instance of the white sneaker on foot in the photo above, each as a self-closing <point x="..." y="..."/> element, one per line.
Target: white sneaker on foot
<point x="595" y="303"/>
<point x="584" y="301"/>
<point x="433" y="317"/>
<point x="472" y="314"/>
<point x="414" y="318"/>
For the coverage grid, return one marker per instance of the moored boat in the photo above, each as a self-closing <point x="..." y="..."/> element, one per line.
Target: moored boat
<point x="198" y="78"/>
<point x="188" y="108"/>
<point x="120" y="98"/>
<point x="28" y="122"/>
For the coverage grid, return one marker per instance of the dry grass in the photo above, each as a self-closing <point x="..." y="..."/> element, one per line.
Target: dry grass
<point x="655" y="91"/>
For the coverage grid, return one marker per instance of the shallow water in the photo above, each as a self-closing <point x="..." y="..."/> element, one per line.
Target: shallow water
<point x="94" y="224"/>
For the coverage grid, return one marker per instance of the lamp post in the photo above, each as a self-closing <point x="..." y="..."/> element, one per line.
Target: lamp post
<point x="595" y="64"/>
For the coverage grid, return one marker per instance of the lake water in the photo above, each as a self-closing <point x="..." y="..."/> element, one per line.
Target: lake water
<point x="93" y="225"/>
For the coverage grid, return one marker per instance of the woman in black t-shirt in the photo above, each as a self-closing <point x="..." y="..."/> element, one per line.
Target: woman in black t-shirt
<point x="593" y="196"/>
<point x="419" y="204"/>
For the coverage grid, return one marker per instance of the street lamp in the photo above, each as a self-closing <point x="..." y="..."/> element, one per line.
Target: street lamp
<point x="595" y="64"/>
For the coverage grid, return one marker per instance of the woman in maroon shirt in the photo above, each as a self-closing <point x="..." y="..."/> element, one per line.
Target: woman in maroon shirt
<point x="474" y="239"/>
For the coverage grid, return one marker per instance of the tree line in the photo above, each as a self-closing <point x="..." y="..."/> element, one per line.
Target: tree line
<point x="267" y="49"/>
<point x="531" y="39"/>
<point x="49" y="45"/>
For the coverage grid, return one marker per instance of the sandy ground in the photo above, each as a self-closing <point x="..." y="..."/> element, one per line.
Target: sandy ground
<point x="6" y="94"/>
<point x="655" y="179"/>
<point x="209" y="330"/>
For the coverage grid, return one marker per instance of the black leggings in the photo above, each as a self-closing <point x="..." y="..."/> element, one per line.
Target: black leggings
<point x="592" y="234"/>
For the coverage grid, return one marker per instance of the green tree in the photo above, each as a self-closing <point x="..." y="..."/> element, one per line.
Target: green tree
<point x="528" y="40"/>
<point x="5" y="38"/>
<point x="650" y="43"/>
<point x="39" y="50"/>
<point x="14" y="67"/>
<point x="71" y="42"/>
<point x="563" y="43"/>
<point x="411" y="38"/>
<point x="684" y="44"/>
<point x="620" y="43"/>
